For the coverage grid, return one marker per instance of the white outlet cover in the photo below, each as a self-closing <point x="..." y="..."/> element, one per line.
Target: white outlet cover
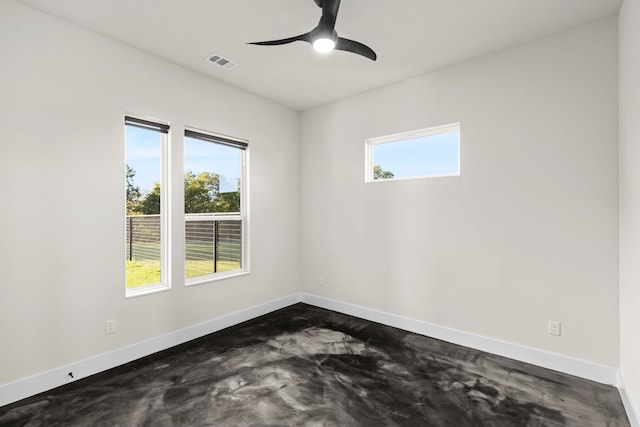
<point x="109" y="327"/>
<point x="555" y="328"/>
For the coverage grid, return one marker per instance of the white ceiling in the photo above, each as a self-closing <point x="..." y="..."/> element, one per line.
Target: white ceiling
<point x="411" y="37"/>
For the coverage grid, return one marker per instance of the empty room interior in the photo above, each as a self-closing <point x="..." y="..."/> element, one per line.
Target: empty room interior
<point x="520" y="256"/>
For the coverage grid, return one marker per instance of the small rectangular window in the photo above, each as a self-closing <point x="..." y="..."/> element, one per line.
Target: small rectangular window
<point x="215" y="206"/>
<point x="146" y="248"/>
<point x="425" y="153"/>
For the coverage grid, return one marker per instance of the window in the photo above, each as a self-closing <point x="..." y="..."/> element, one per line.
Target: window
<point x="215" y="206"/>
<point x="433" y="152"/>
<point x="146" y="208"/>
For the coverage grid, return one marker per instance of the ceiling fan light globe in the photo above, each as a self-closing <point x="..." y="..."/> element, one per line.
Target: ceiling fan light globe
<point x="324" y="45"/>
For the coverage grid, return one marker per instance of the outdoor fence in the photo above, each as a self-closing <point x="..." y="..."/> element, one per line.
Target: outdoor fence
<point x="217" y="243"/>
<point x="143" y="237"/>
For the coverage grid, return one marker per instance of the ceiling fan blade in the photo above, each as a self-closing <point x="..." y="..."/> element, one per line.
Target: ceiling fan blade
<point x="356" y="47"/>
<point x="302" y="37"/>
<point x="329" y="14"/>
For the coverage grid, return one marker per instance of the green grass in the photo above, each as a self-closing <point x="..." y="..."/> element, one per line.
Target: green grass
<point x="202" y="267"/>
<point x="144" y="272"/>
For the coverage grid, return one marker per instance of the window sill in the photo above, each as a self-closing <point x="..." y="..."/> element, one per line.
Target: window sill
<point x="146" y="290"/>
<point x="209" y="278"/>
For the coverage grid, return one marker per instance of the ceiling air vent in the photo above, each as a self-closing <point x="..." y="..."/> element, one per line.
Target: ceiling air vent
<point x="223" y="62"/>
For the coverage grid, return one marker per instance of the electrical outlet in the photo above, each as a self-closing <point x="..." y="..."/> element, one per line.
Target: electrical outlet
<point x="322" y="281"/>
<point x="110" y="327"/>
<point x="555" y="328"/>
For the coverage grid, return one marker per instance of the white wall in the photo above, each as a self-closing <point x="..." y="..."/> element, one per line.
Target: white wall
<point x="630" y="198"/>
<point x="527" y="233"/>
<point x="63" y="95"/>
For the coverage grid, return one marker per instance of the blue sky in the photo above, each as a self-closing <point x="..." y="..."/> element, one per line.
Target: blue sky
<point x="425" y="155"/>
<point x="201" y="156"/>
<point x="143" y="155"/>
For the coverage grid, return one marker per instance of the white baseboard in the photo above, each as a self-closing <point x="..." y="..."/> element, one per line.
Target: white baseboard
<point x="23" y="388"/>
<point x="580" y="368"/>
<point x="627" y="401"/>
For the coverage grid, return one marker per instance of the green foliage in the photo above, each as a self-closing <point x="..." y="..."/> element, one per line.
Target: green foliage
<point x="201" y="195"/>
<point x="200" y="192"/>
<point x="150" y="204"/>
<point x="228" y="202"/>
<point x="378" y="173"/>
<point x="133" y="192"/>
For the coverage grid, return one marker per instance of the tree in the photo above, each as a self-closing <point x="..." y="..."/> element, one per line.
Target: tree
<point x="133" y="192"/>
<point x="200" y="191"/>
<point x="378" y="173"/>
<point x="229" y="201"/>
<point x="201" y="195"/>
<point x="150" y="205"/>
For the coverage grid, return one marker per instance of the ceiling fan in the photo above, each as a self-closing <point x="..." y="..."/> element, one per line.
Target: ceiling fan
<point x="324" y="37"/>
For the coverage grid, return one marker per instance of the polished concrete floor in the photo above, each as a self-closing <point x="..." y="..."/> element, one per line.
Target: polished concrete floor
<point x="305" y="366"/>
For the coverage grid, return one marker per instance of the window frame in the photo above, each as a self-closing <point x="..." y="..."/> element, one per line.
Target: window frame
<point x="242" y="217"/>
<point x="164" y="129"/>
<point x="403" y="136"/>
